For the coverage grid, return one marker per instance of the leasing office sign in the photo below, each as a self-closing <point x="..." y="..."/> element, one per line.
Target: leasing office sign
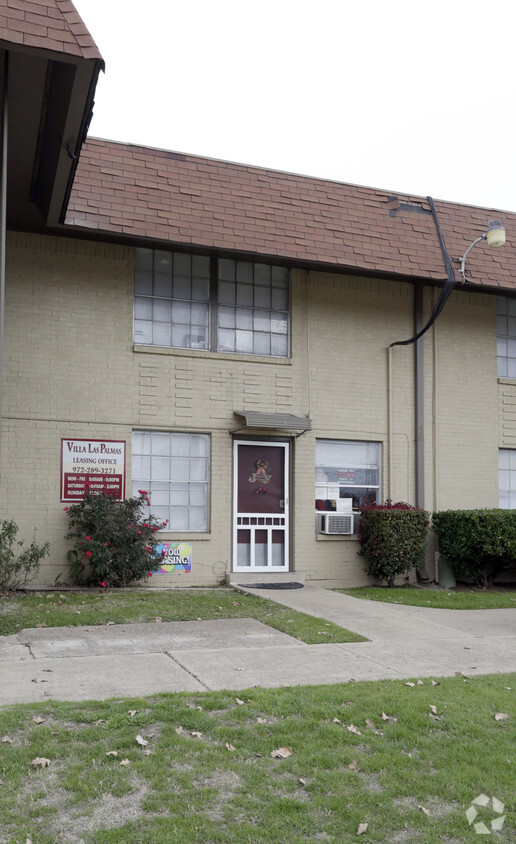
<point x="93" y="465"/>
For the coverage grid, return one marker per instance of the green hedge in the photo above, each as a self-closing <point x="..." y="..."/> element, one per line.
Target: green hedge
<point x="477" y="543"/>
<point x="392" y="538"/>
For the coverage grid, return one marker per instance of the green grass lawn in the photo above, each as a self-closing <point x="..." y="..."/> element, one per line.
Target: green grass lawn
<point x="207" y="776"/>
<point x="63" y="609"/>
<point x="474" y="599"/>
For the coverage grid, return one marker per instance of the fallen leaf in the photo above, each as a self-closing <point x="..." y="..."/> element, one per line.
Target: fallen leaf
<point x="467" y="647"/>
<point x="112" y="753"/>
<point x="420" y="683"/>
<point x="7" y="740"/>
<point x="302" y="781"/>
<point x="433" y="708"/>
<point x="337" y="721"/>
<point x="41" y="625"/>
<point x="501" y="716"/>
<point x="38" y="719"/>
<point x="179" y="731"/>
<point x="410" y="684"/>
<point x="389" y="718"/>
<point x="508" y="688"/>
<point x="77" y="612"/>
<point x="353" y="766"/>
<point x="40" y="762"/>
<point x="109" y="622"/>
<point x="28" y="841"/>
<point x="236" y="603"/>
<point x="425" y="811"/>
<point x="229" y="746"/>
<point x="281" y="753"/>
<point x="125" y="762"/>
<point x="99" y="722"/>
<point x="433" y="682"/>
<point x="158" y="619"/>
<point x="132" y="712"/>
<point x="362" y="828"/>
<point x="141" y="741"/>
<point x="353" y="729"/>
<point x="195" y="734"/>
<point x="239" y="669"/>
<point x="261" y="720"/>
<point x="240" y="702"/>
<point x="435" y="717"/>
<point x="146" y="752"/>
<point x="370" y="723"/>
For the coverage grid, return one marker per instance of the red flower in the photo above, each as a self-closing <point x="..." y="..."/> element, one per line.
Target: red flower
<point x="105" y="543"/>
<point x="147" y="548"/>
<point x="163" y="553"/>
<point x="150" y="574"/>
<point x="88" y="554"/>
<point x="143" y="492"/>
<point x="88" y="538"/>
<point x="139" y="532"/>
<point x="165" y="523"/>
<point x="66" y="509"/>
<point x="103" y="583"/>
<point x="155" y="527"/>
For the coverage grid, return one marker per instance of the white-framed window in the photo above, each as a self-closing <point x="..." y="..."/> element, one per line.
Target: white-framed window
<point x="187" y="301"/>
<point x="175" y="469"/>
<point x="507" y="478"/>
<point x="347" y="474"/>
<point x="506" y="336"/>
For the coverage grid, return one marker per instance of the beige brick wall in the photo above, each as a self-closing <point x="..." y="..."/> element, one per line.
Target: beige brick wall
<point x="71" y="370"/>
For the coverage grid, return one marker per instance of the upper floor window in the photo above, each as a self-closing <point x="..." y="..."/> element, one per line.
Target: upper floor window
<point x="182" y="302"/>
<point x="506" y="336"/>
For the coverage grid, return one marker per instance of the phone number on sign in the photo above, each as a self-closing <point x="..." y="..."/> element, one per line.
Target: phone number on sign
<point x="93" y="470"/>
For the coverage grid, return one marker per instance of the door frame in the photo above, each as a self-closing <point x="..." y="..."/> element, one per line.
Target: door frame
<point x="286" y="445"/>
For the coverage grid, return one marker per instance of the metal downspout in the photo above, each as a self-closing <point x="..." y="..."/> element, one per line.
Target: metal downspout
<point x="3" y="222"/>
<point x="420" y="398"/>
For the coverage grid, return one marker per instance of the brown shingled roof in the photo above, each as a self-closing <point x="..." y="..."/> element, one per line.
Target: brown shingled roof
<point x="189" y="200"/>
<point x="48" y="24"/>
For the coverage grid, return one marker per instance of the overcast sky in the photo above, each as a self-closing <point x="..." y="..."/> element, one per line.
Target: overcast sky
<point x="414" y="96"/>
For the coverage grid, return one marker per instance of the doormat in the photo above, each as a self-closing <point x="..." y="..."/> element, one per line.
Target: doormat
<point x="272" y="585"/>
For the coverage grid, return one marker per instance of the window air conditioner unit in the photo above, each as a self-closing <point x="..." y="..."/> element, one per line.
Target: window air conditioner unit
<point x="337" y="523"/>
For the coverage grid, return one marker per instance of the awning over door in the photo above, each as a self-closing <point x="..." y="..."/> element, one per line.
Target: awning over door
<point x="273" y="421"/>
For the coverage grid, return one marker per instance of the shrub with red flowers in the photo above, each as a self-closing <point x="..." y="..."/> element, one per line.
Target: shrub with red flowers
<point x="114" y="538"/>
<point x="392" y="537"/>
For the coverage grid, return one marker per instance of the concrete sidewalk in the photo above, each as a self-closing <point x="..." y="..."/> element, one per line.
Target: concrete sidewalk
<point x="82" y="663"/>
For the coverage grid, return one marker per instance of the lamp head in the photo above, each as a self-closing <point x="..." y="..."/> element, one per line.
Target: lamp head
<point x="495" y="234"/>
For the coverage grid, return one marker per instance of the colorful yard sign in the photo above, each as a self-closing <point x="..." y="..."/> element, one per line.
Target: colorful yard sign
<point x="176" y="559"/>
<point x="93" y="466"/>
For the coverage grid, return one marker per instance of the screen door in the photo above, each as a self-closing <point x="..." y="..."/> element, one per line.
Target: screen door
<point x="260" y="516"/>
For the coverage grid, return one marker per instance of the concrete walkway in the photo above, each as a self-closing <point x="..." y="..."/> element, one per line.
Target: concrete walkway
<point x="82" y="663"/>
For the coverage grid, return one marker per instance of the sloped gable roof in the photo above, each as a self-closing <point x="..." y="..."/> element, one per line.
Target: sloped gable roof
<point x="189" y="200"/>
<point x="47" y="24"/>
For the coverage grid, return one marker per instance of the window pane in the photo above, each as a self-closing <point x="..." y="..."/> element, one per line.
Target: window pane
<point x="199" y="494"/>
<point x="226" y="293"/>
<point x="182" y="264"/>
<point x="182" y="287"/>
<point x="181" y="312"/>
<point x="201" y="266"/>
<point x="279" y="326"/>
<point x="200" y="289"/>
<point x="226" y="270"/>
<point x="159" y="495"/>
<point x="143" y="282"/>
<point x="279" y="276"/>
<point x="143" y="259"/>
<point x="162" y="310"/>
<point x="262" y="321"/>
<point x="179" y="445"/>
<point x="262" y="344"/>
<point x="198" y="518"/>
<point x="244" y="272"/>
<point x="162" y="285"/>
<point x="160" y="444"/>
<point x="141" y="466"/>
<point x="244" y="319"/>
<point x="163" y="262"/>
<point x="262" y="297"/>
<point x="178" y="518"/>
<point x="161" y="334"/>
<point x="226" y="340"/>
<point x="244" y="294"/>
<point x="279" y="345"/>
<point x="511" y="307"/>
<point x="511" y="367"/>
<point x="179" y="469"/>
<point x="142" y="308"/>
<point x="199" y="445"/>
<point x="501" y="305"/>
<point x="279" y="299"/>
<point x="141" y="442"/>
<point x="142" y="332"/>
<point x="502" y="367"/>
<point x="501" y="326"/>
<point x="346" y="470"/>
<point x="179" y="494"/>
<point x="501" y="347"/>
<point x="181" y="336"/>
<point x="262" y="274"/>
<point x="244" y="341"/>
<point x="198" y="468"/>
<point x="199" y="314"/>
